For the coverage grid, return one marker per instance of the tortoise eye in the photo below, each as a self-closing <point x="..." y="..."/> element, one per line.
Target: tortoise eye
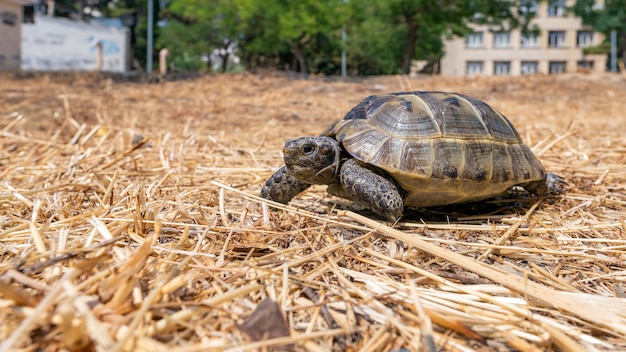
<point x="308" y="149"/>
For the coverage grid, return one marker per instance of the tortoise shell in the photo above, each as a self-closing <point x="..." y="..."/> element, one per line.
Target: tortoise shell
<point x="441" y="148"/>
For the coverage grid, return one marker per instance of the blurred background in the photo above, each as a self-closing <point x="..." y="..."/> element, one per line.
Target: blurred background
<point x="331" y="37"/>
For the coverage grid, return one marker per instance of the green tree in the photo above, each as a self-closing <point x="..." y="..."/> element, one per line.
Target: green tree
<point x="421" y="19"/>
<point x="138" y="9"/>
<point x="604" y="18"/>
<point x="186" y="44"/>
<point x="426" y="23"/>
<point x="299" y="28"/>
<point x="260" y="38"/>
<point x="301" y="22"/>
<point x="197" y="27"/>
<point x="374" y="44"/>
<point x="384" y="36"/>
<point x="264" y="31"/>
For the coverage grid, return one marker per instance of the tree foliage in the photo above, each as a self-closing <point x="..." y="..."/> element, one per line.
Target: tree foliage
<point x="293" y="34"/>
<point x="604" y="18"/>
<point x="196" y="28"/>
<point x="383" y="36"/>
<point x="390" y="34"/>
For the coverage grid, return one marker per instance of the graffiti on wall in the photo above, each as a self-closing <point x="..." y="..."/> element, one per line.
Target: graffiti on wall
<point x="109" y="47"/>
<point x="8" y="18"/>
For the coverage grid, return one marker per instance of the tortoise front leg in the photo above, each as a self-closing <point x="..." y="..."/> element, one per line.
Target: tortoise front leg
<point x="282" y="187"/>
<point x="371" y="190"/>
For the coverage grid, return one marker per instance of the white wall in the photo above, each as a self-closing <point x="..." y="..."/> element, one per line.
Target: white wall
<point x="56" y="44"/>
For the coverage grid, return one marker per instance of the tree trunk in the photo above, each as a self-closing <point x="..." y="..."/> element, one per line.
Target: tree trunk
<point x="83" y="15"/>
<point x="225" y="55"/>
<point x="225" y="62"/>
<point x="209" y="64"/>
<point x="412" y="26"/>
<point x="623" y="51"/>
<point x="296" y="49"/>
<point x="299" y="56"/>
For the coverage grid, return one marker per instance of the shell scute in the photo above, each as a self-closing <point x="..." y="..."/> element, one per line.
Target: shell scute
<point x="418" y="156"/>
<point x="522" y="169"/>
<point x="502" y="164"/>
<point x="478" y="161"/>
<point x="448" y="159"/>
<point x="404" y="117"/>
<point x="499" y="127"/>
<point x="364" y="109"/>
<point x="456" y="116"/>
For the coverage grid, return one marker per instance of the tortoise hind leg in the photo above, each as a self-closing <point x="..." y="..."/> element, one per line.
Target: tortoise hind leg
<point x="374" y="191"/>
<point x="549" y="186"/>
<point x="282" y="187"/>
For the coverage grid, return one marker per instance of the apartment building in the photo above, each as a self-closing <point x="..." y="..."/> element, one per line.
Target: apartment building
<point x="556" y="48"/>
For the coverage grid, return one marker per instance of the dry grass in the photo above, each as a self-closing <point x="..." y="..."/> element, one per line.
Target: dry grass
<point x="130" y="221"/>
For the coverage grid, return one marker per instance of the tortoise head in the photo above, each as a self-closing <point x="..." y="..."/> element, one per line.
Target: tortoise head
<point x="313" y="159"/>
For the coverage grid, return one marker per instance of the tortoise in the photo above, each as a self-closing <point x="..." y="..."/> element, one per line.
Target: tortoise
<point x="418" y="149"/>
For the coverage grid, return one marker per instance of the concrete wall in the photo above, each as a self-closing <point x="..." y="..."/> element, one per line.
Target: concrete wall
<point x="10" y="33"/>
<point x="58" y="44"/>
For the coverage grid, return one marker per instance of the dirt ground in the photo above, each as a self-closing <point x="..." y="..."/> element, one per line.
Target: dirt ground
<point x="129" y="221"/>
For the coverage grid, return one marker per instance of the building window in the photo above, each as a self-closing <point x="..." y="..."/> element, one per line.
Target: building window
<point x="501" y="68"/>
<point x="527" y="8"/>
<point x="474" y="68"/>
<point x="501" y="40"/>
<point x="529" y="67"/>
<point x="585" y="65"/>
<point x="556" y="67"/>
<point x="474" y="40"/>
<point x="584" y="39"/>
<point x="556" y="39"/>
<point x="28" y="14"/>
<point x="556" y="8"/>
<point x="529" y="40"/>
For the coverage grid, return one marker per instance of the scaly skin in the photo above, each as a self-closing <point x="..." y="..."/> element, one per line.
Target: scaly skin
<point x="308" y="160"/>
<point x="368" y="188"/>
<point x="282" y="187"/>
<point x="316" y="160"/>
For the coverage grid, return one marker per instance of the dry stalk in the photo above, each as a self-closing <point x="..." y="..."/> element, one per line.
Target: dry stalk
<point x="130" y="220"/>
